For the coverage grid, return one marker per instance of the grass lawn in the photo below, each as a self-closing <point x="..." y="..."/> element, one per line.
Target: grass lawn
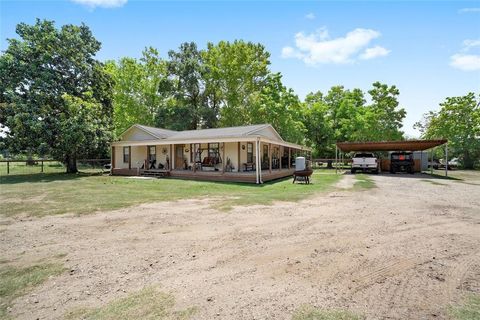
<point x="17" y="281"/>
<point x="148" y="303"/>
<point x="46" y="194"/>
<point x="468" y="310"/>
<point x="311" y="313"/>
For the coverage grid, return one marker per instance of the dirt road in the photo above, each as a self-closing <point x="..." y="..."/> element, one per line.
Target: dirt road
<point x="403" y="250"/>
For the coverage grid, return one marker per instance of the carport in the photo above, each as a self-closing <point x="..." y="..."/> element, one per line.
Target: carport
<point x="407" y="145"/>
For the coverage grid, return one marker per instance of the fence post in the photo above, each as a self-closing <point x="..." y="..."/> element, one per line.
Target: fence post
<point x="8" y="167"/>
<point x="42" y="165"/>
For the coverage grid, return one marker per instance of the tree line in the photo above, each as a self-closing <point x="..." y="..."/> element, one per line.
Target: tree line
<point x="57" y="99"/>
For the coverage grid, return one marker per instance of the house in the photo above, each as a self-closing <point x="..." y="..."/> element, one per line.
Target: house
<point x="255" y="153"/>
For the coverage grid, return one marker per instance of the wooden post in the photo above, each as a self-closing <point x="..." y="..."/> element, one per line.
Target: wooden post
<point x="238" y="155"/>
<point x="42" y="166"/>
<point x="280" y="154"/>
<point x="223" y="158"/>
<point x="289" y="157"/>
<point x="112" y="165"/>
<point x="8" y="167"/>
<point x="336" y="154"/>
<point x="270" y="157"/>
<point x="172" y="160"/>
<point x="431" y="162"/>
<point x="194" y="150"/>
<point x="129" y="157"/>
<point x="257" y="156"/>
<point x="446" y="159"/>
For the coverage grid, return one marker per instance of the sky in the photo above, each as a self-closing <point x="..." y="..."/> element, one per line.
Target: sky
<point x="428" y="49"/>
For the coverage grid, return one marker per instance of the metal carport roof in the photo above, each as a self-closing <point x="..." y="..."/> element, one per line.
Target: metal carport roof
<point x="407" y="145"/>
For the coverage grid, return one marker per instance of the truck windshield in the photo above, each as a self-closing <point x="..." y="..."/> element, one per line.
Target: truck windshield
<point x="364" y="155"/>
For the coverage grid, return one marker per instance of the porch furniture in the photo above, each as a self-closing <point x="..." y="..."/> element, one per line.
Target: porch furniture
<point x="303" y="175"/>
<point x="210" y="161"/>
<point x="249" y="166"/>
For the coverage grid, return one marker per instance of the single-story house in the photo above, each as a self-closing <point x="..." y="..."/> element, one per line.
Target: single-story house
<point x="254" y="153"/>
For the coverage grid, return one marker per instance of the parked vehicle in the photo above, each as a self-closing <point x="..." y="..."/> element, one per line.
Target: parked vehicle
<point x="364" y="161"/>
<point x="402" y="162"/>
<point x="435" y="164"/>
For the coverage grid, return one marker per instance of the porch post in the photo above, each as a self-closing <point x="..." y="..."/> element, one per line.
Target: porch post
<point x="194" y="157"/>
<point x="270" y="158"/>
<point x="280" y="154"/>
<point x="238" y="155"/>
<point x="289" y="157"/>
<point x="257" y="173"/>
<point x="223" y="157"/>
<point x="172" y="162"/>
<point x="112" y="165"/>
<point x="129" y="157"/>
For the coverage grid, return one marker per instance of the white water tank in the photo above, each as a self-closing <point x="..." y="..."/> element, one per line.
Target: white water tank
<point x="299" y="163"/>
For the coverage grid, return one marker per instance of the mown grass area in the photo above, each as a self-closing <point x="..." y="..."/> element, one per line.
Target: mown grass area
<point x="311" y="313"/>
<point x="468" y="310"/>
<point x="363" y="182"/>
<point x="17" y="281"/>
<point x="149" y="303"/>
<point x="47" y="194"/>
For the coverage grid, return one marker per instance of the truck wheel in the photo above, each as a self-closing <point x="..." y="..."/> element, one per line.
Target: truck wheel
<point x="375" y="171"/>
<point x="353" y="171"/>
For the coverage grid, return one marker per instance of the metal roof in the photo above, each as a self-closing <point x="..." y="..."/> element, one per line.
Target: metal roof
<point x="407" y="145"/>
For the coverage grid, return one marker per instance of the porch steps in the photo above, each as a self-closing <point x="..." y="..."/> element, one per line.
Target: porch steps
<point x="155" y="173"/>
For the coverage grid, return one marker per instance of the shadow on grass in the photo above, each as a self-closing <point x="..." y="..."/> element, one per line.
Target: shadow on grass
<point x="44" y="177"/>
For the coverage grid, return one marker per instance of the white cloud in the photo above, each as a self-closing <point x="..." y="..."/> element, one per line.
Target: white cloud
<point x="310" y="16"/>
<point x="101" y="3"/>
<point x="465" y="62"/>
<point x="318" y="48"/>
<point x="469" y="44"/>
<point x="469" y="10"/>
<point x="374" y="52"/>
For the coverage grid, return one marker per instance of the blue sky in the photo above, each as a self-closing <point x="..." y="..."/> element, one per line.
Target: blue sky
<point x="429" y="50"/>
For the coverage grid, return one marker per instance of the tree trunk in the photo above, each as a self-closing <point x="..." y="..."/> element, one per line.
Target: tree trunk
<point x="71" y="164"/>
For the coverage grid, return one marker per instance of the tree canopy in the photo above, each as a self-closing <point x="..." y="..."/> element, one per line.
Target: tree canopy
<point x="55" y="96"/>
<point x="458" y="120"/>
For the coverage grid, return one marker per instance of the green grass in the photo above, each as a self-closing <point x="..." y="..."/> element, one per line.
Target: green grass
<point x="363" y="182"/>
<point x="469" y="310"/>
<point x="17" y="281"/>
<point x="148" y="303"/>
<point x="47" y="194"/>
<point x="311" y="313"/>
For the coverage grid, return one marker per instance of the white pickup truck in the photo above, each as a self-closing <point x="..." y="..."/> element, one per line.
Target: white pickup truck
<point x="364" y="161"/>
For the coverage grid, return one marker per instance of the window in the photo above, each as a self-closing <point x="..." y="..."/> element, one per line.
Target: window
<point x="249" y="152"/>
<point x="126" y="154"/>
<point x="213" y="150"/>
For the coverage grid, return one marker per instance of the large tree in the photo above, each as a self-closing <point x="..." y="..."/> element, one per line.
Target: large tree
<point x="234" y="73"/>
<point x="55" y="97"/>
<point x="280" y="107"/>
<point x="141" y="89"/>
<point x="458" y="120"/>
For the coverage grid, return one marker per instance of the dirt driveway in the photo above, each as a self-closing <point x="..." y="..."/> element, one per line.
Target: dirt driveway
<point x="403" y="250"/>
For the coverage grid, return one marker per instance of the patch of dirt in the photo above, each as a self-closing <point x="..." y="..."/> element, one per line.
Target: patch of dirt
<point x="347" y="182"/>
<point x="404" y="250"/>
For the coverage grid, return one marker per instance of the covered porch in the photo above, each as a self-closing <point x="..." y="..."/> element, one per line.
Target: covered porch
<point x="239" y="160"/>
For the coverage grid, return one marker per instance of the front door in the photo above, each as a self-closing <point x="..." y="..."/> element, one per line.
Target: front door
<point x="179" y="161"/>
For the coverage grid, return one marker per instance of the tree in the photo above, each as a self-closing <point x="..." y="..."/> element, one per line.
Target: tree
<point x="141" y="88"/>
<point x="280" y="107"/>
<point x="458" y="120"/>
<point x="234" y="72"/>
<point x="55" y="97"/>
<point x="186" y="68"/>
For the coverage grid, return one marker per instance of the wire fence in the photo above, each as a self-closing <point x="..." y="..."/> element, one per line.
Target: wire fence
<point x="39" y="166"/>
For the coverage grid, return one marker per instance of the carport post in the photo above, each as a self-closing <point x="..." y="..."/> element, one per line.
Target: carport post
<point x="336" y="152"/>
<point x="446" y="159"/>
<point x="431" y="161"/>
